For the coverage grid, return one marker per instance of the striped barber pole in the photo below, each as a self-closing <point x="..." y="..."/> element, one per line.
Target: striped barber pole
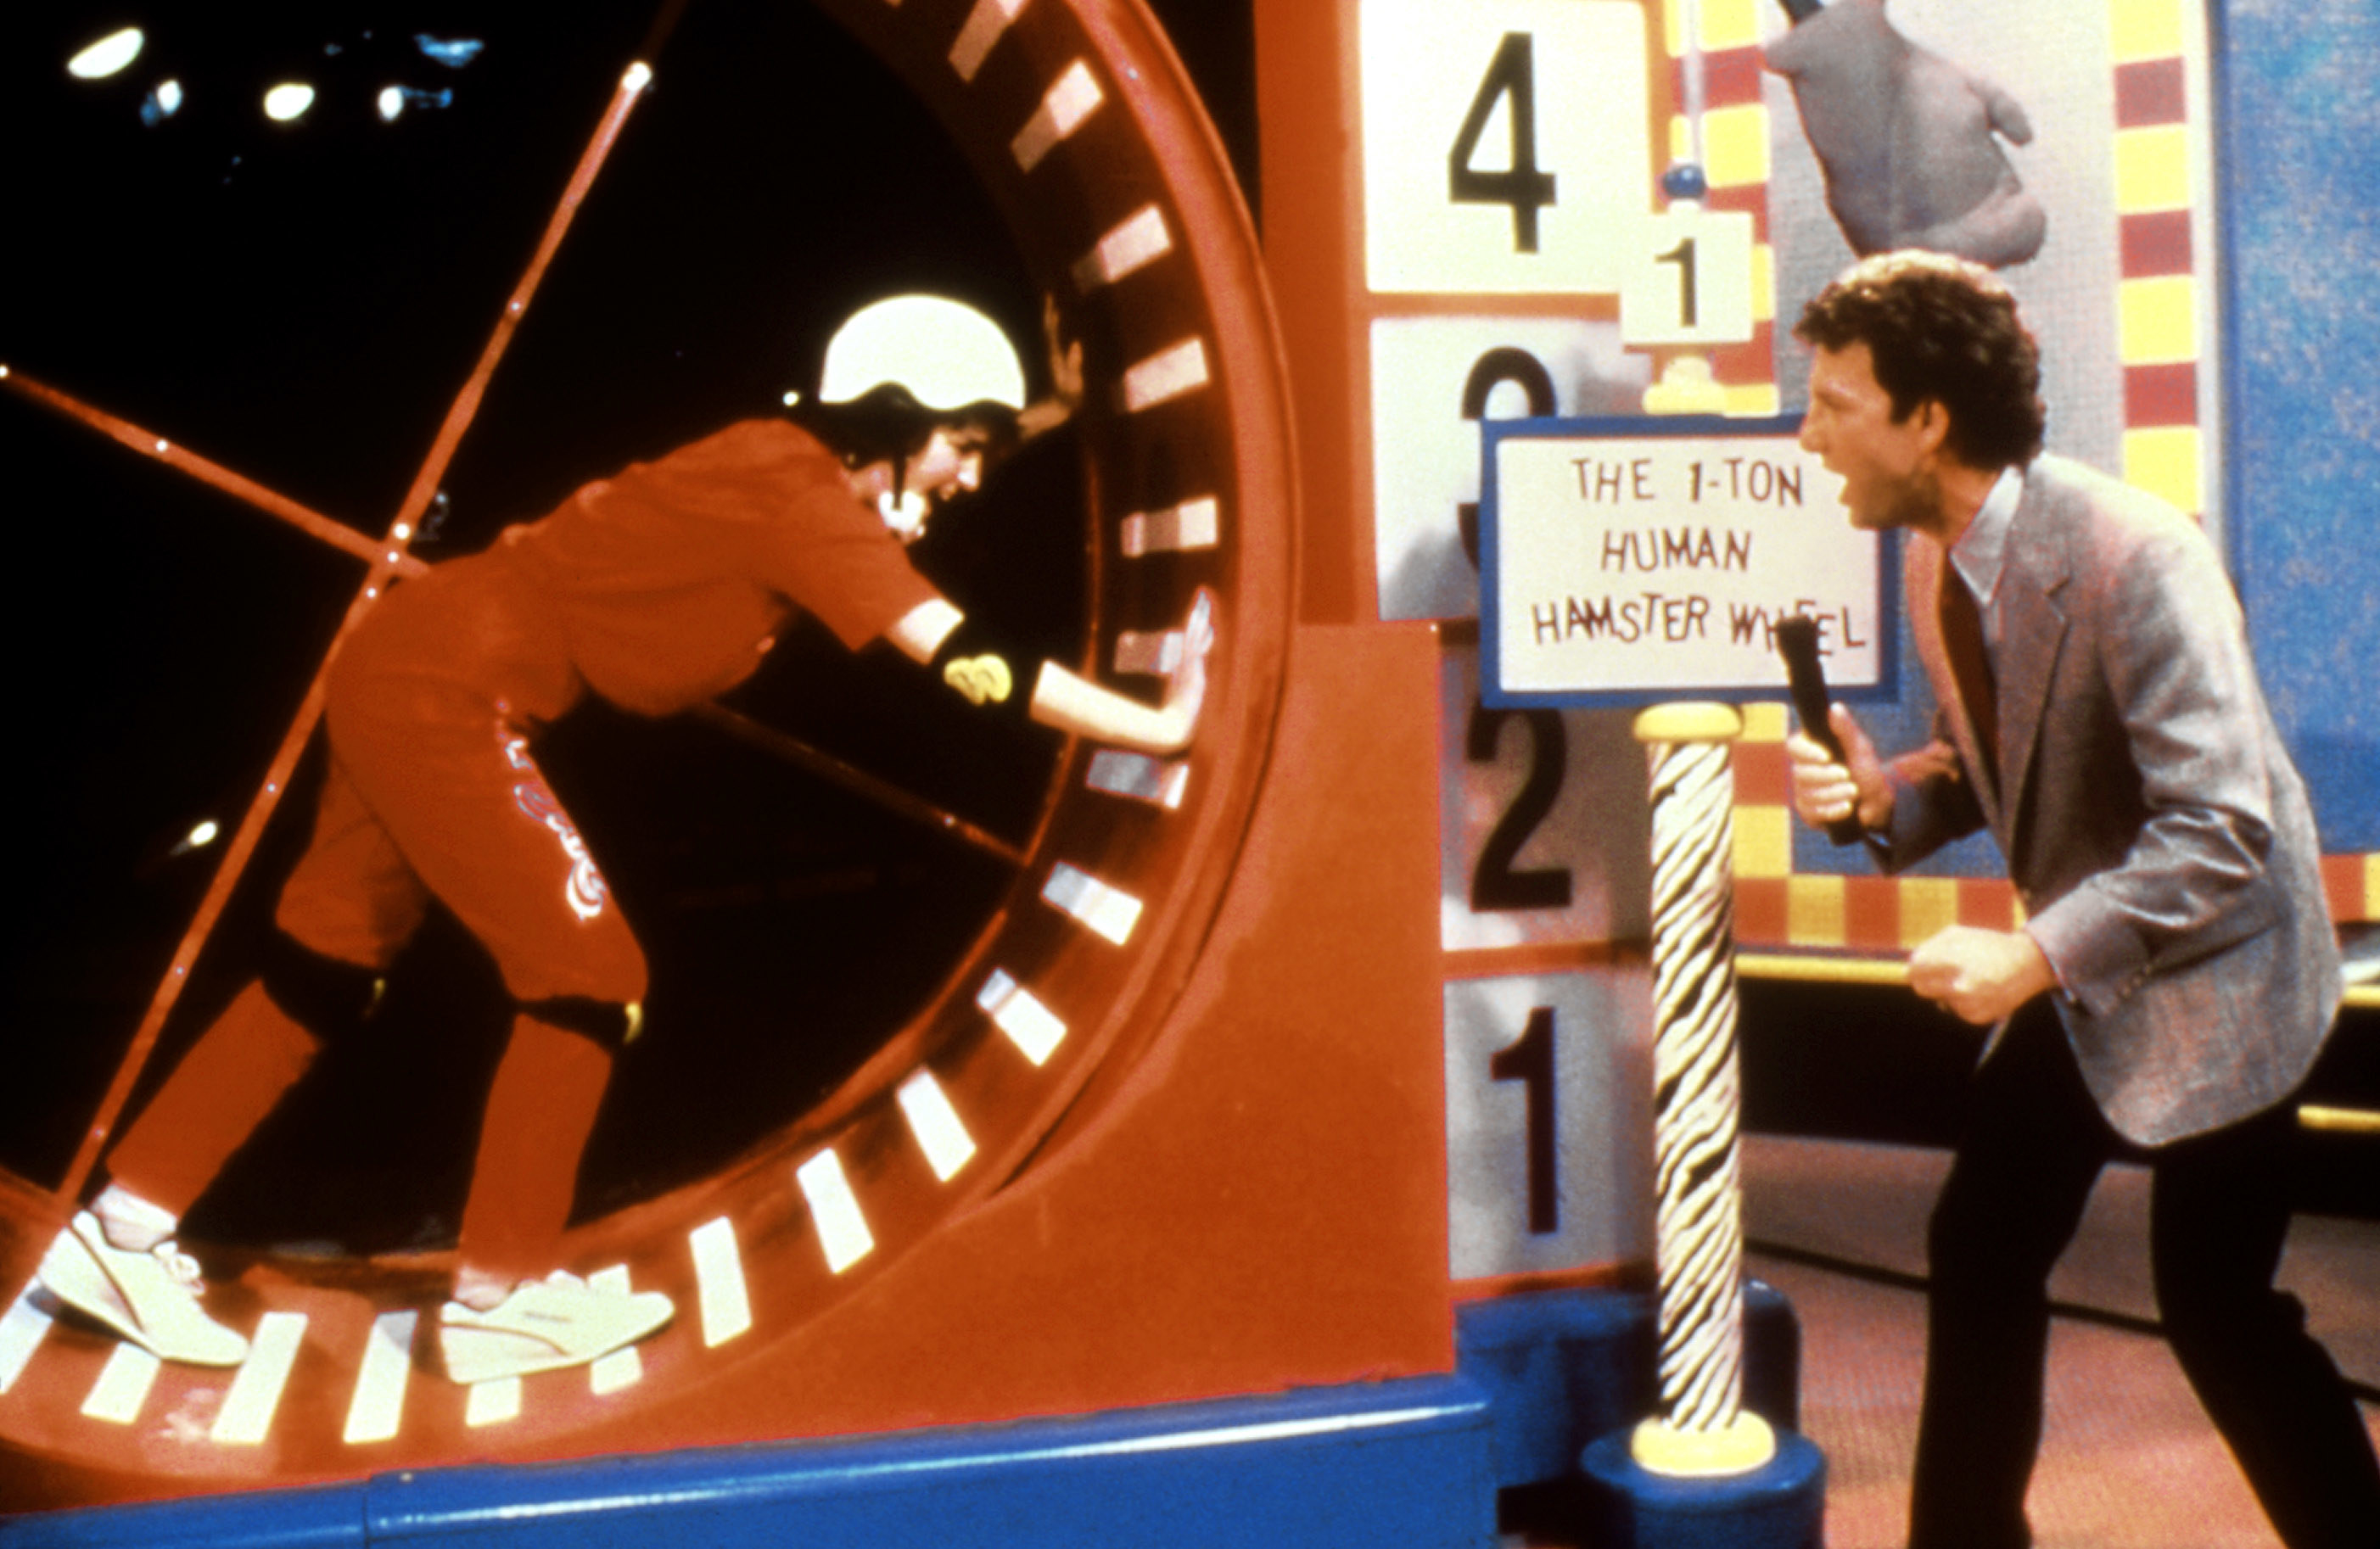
<point x="1703" y="1427"/>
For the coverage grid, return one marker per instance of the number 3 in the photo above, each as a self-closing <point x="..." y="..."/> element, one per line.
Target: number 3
<point x="1491" y="371"/>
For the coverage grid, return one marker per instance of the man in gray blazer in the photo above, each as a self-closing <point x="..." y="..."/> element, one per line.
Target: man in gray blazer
<point x="2175" y="973"/>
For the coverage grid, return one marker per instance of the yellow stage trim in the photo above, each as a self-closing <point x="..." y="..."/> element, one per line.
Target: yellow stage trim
<point x="1735" y="145"/>
<point x="1928" y="905"/>
<point x="2153" y="169"/>
<point x="2156" y="320"/>
<point x="1816" y="913"/>
<point x="1754" y="400"/>
<point x="1730" y="24"/>
<point x="1763" y="721"/>
<point x="2143" y="30"/>
<point x="1763" y="843"/>
<point x="2164" y="461"/>
<point x="1686" y="386"/>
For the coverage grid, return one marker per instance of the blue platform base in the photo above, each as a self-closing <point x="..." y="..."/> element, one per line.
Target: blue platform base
<point x="1563" y="1369"/>
<point x="1347" y="1468"/>
<point x="1779" y="1506"/>
<point x="1438" y="1462"/>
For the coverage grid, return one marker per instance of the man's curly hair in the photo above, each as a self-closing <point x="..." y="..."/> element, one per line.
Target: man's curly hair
<point x="1940" y="328"/>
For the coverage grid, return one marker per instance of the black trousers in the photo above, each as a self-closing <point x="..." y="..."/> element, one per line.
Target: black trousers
<point x="2032" y="1145"/>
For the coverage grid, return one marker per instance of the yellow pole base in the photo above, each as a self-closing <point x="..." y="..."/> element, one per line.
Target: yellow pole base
<point x="1689" y="722"/>
<point x="1687" y="386"/>
<point x="1741" y="1448"/>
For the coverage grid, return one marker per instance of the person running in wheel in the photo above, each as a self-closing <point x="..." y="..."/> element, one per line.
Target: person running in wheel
<point x="657" y="589"/>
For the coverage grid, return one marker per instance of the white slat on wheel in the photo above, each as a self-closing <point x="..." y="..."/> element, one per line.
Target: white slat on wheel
<point x="22" y="1329"/>
<point x="493" y="1402"/>
<point x="622" y="1368"/>
<point x="719" y="1279"/>
<point x="245" y="1417"/>
<point x="378" y="1406"/>
<point x="834" y="1210"/>
<point x="123" y="1385"/>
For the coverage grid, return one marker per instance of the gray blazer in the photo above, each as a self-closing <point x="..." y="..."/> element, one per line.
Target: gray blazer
<point x="2160" y="838"/>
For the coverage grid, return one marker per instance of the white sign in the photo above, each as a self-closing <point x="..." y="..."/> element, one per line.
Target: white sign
<point x="1504" y="141"/>
<point x="1636" y="560"/>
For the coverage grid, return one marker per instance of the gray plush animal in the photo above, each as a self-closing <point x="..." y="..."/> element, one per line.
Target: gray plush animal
<point x="1905" y="137"/>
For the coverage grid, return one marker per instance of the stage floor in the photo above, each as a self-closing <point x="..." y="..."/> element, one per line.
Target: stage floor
<point x="2129" y="1460"/>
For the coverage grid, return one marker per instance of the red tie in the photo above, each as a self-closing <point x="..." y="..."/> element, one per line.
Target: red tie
<point x="1971" y="664"/>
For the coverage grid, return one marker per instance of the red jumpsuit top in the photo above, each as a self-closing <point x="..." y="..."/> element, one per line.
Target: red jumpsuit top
<point x="668" y="581"/>
<point x="658" y="588"/>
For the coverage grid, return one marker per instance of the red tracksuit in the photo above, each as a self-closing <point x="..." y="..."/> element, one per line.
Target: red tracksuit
<point x="657" y="589"/>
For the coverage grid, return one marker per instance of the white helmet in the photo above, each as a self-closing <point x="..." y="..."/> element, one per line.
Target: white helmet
<point x="947" y="354"/>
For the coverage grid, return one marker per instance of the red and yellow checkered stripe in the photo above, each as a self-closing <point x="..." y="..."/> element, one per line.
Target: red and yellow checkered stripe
<point x="1777" y="907"/>
<point x="2159" y="298"/>
<point x="1735" y="163"/>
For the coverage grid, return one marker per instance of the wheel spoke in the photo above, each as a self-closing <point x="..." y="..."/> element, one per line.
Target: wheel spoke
<point x="312" y="523"/>
<point x="858" y="782"/>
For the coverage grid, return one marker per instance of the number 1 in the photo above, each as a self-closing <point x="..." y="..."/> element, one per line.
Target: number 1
<point x="1531" y="1061"/>
<point x="1683" y="255"/>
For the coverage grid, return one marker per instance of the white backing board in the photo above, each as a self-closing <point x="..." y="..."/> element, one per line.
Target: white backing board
<point x="1633" y="561"/>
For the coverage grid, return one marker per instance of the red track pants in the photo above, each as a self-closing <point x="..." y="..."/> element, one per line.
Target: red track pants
<point x="431" y="793"/>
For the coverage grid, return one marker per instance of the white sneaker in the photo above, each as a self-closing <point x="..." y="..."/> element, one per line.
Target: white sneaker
<point x="544" y="1325"/>
<point x="149" y="1298"/>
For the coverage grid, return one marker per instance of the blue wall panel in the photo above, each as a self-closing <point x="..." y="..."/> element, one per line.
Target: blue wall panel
<point x="2298" y="118"/>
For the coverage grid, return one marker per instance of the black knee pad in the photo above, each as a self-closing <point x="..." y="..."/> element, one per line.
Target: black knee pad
<point x="326" y="996"/>
<point x="613" y="1024"/>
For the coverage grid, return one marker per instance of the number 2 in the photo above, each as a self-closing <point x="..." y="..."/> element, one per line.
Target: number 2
<point x="1494" y="884"/>
<point x="1512" y="75"/>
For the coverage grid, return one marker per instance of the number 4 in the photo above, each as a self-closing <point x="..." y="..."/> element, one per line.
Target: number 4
<point x="1512" y="75"/>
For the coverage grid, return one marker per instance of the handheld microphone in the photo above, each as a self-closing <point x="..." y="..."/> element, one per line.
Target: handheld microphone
<point x="1797" y="642"/>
